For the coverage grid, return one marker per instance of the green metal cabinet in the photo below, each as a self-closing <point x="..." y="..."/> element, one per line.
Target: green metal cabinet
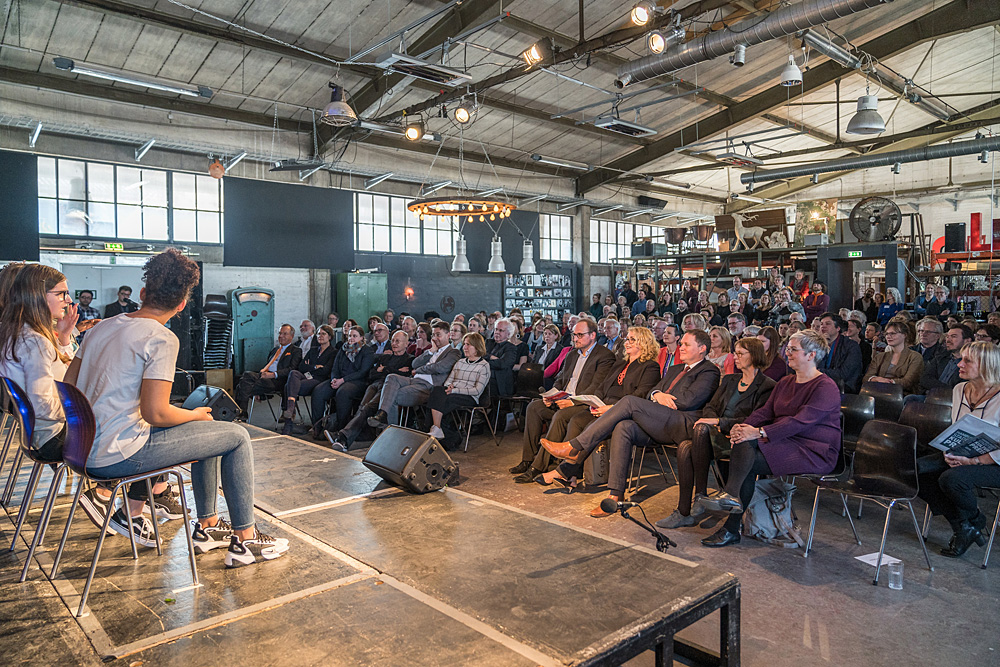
<point x="361" y="295"/>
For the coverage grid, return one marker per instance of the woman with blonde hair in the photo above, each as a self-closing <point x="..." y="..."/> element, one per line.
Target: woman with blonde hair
<point x="693" y="321"/>
<point x="36" y="347"/>
<point x="719" y="354"/>
<point x="634" y="375"/>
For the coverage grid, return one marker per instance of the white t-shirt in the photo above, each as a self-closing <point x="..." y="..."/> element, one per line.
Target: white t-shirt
<point x="116" y="356"/>
<point x="36" y="372"/>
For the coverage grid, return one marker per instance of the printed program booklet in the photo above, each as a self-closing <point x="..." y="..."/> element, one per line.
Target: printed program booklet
<point x="970" y="436"/>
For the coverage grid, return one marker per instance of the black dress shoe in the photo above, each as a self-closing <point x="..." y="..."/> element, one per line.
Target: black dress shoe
<point x="721" y="538"/>
<point x="379" y="419"/>
<point x="963" y="538"/>
<point x="722" y="502"/>
<point x="528" y="476"/>
<point x="520" y="468"/>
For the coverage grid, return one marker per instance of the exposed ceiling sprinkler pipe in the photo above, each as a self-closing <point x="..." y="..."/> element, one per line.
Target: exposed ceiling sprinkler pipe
<point x="778" y="23"/>
<point x="922" y="154"/>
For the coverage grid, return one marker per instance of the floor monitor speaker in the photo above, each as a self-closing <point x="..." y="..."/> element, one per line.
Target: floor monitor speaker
<point x="411" y="459"/>
<point x="224" y="408"/>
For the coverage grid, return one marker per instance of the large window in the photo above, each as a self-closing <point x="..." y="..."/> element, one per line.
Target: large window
<point x="609" y="240"/>
<point x="555" y="237"/>
<point x="106" y="201"/>
<point x="383" y="224"/>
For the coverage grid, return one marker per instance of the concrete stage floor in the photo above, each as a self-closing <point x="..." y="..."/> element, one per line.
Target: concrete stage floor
<point x="490" y="573"/>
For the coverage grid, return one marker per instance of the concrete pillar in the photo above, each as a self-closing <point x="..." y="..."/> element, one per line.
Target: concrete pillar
<point x="320" y="285"/>
<point x="581" y="254"/>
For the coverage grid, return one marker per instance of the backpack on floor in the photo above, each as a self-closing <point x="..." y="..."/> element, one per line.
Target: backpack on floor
<point x="769" y="517"/>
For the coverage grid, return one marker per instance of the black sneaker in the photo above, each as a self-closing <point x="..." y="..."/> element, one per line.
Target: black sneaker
<point x="379" y="420"/>
<point x="246" y="552"/>
<point x="95" y="507"/>
<point x="142" y="528"/>
<point x="210" y="537"/>
<point x="167" y="506"/>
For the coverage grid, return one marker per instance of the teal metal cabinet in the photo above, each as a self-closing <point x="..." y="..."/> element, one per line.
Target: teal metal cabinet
<point x="253" y="327"/>
<point x="361" y="295"/>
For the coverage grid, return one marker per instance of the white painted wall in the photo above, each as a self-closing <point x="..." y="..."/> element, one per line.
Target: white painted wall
<point x="290" y="286"/>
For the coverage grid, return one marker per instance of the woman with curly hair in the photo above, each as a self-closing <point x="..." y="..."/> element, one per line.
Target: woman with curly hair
<point x="125" y="367"/>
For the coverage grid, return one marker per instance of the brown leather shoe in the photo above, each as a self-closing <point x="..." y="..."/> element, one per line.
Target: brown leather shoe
<point x="560" y="450"/>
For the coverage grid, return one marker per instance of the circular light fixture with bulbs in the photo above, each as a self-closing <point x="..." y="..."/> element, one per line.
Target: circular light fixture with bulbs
<point x="480" y="209"/>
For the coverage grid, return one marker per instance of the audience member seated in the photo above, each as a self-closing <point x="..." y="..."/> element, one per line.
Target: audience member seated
<point x="942" y="370"/>
<point x="816" y="303"/>
<point x="920" y="305"/>
<point x="842" y="361"/>
<point x="456" y="335"/>
<point x="570" y="323"/>
<point x="694" y="321"/>
<point x="306" y="332"/>
<point x="668" y="352"/>
<point x="948" y="483"/>
<point x="762" y="311"/>
<point x="465" y="384"/>
<point x="720" y="353"/>
<point x="988" y="333"/>
<point x="666" y="417"/>
<point x="380" y="338"/>
<point x="345" y="329"/>
<point x="855" y="331"/>
<point x="942" y="307"/>
<point x="799" y="284"/>
<point x="612" y="339"/>
<point x="124" y="304"/>
<point x="783" y="308"/>
<point x="893" y="304"/>
<point x="547" y="352"/>
<point x="389" y="319"/>
<point x="639" y="306"/>
<point x="634" y="375"/>
<point x="282" y="360"/>
<point x="84" y="309"/>
<point x="536" y="337"/>
<point x="502" y="357"/>
<point x="739" y="394"/>
<point x="517" y="340"/>
<point x="138" y="430"/>
<point x="36" y="348"/>
<point x="430" y="370"/>
<point x="898" y="364"/>
<point x="581" y="373"/>
<point x="774" y="367"/>
<point x="796" y="432"/>
<point x="348" y="378"/>
<point x="312" y="371"/>
<point x="930" y="331"/>
<point x="423" y="340"/>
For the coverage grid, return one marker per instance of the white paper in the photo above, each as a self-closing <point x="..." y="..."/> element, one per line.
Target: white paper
<point x="871" y="559"/>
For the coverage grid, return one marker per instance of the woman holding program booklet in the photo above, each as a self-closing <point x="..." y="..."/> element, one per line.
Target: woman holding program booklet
<point x="948" y="483"/>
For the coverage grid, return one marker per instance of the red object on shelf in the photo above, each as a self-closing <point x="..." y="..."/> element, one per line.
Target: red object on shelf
<point x="937" y="247"/>
<point x="976" y="239"/>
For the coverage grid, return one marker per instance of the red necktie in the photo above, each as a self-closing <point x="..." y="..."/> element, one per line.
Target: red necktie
<point x="677" y="379"/>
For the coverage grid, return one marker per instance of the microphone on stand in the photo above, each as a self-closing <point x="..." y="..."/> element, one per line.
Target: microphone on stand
<point x="612" y="506"/>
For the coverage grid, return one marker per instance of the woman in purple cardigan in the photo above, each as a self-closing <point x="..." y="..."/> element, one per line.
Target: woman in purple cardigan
<point x="796" y="432"/>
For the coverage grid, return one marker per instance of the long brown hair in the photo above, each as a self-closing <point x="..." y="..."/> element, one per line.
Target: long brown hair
<point x="26" y="304"/>
<point x="7" y="276"/>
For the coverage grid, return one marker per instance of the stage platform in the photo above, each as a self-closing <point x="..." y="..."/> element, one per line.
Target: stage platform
<point x="375" y="576"/>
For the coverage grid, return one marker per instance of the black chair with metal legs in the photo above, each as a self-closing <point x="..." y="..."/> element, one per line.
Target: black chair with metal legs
<point x="856" y="412"/>
<point x="80" y="431"/>
<point x="838" y="475"/>
<point x="940" y="395"/>
<point x="266" y="399"/>
<point x="996" y="525"/>
<point x="527" y="381"/>
<point x="469" y="412"/>
<point x="885" y="472"/>
<point x="888" y="399"/>
<point x="632" y="484"/>
<point x="9" y="421"/>
<point x="930" y="420"/>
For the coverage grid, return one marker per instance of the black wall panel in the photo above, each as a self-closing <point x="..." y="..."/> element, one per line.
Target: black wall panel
<point x="18" y="206"/>
<point x="286" y="225"/>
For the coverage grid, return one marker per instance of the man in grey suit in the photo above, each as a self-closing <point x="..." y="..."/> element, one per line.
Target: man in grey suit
<point x="430" y="370"/>
<point x="666" y="417"/>
<point x="582" y="372"/>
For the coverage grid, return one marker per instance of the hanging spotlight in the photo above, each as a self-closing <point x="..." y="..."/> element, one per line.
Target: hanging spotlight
<point x="461" y="262"/>
<point x="528" y="258"/>
<point x="537" y="52"/>
<point x="414" y="130"/>
<point x="216" y="169"/>
<point x="739" y="56"/>
<point x="896" y="168"/>
<point x="338" y="113"/>
<point x="791" y="75"/>
<point x="867" y="119"/>
<point x="659" y="41"/>
<point x="464" y="112"/>
<point x="496" y="256"/>
<point x="642" y="12"/>
<point x="984" y="157"/>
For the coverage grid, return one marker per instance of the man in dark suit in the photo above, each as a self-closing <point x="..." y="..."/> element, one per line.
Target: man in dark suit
<point x="844" y="362"/>
<point x="582" y="372"/>
<point x="282" y="360"/>
<point x="942" y="370"/>
<point x="668" y="415"/>
<point x="502" y="358"/>
<point x="929" y="334"/>
<point x="124" y="304"/>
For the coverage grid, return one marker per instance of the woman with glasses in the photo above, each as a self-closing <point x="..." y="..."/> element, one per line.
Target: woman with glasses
<point x="796" y="432"/>
<point x="739" y="394"/>
<point x="635" y="375"/>
<point x="893" y="304"/>
<point x="898" y="364"/>
<point x="948" y="483"/>
<point x="36" y="347"/>
<point x="988" y="333"/>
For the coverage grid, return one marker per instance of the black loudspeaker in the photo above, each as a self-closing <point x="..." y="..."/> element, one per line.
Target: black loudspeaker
<point x="954" y="237"/>
<point x="652" y="202"/>
<point x="224" y="408"/>
<point x="411" y="459"/>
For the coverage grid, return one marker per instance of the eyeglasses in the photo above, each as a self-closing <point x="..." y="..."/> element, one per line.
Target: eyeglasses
<point x="62" y="295"/>
<point x="629" y="339"/>
<point x="982" y="336"/>
<point x="793" y="349"/>
<point x="580" y="335"/>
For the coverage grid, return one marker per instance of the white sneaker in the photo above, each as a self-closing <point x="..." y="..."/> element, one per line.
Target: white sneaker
<point x="210" y="537"/>
<point x="436" y="432"/>
<point x="246" y="552"/>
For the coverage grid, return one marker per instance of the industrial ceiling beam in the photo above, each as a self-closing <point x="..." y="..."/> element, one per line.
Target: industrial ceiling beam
<point x="956" y="17"/>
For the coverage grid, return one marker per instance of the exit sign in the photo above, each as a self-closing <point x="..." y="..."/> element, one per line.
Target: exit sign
<point x="114" y="246"/>
<point x="855" y="253"/>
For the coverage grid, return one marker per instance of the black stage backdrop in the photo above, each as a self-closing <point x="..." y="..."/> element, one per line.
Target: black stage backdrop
<point x="18" y="206"/>
<point x="286" y="225"/>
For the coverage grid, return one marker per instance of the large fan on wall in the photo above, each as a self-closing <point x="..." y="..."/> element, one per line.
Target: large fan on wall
<point x="875" y="219"/>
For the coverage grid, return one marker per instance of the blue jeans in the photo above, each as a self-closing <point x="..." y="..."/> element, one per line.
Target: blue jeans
<point x="214" y="447"/>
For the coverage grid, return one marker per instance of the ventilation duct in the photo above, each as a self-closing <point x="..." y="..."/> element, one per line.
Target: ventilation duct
<point x="753" y="31"/>
<point x="921" y="154"/>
